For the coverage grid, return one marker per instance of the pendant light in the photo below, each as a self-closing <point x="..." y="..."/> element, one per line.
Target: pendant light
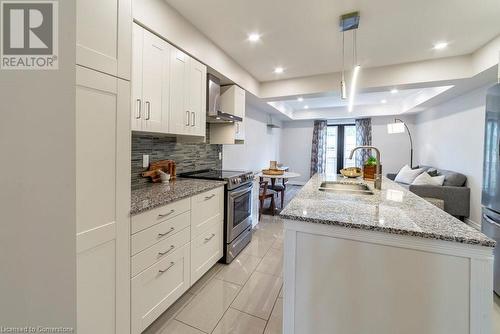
<point x="343" y="89"/>
<point x="349" y="21"/>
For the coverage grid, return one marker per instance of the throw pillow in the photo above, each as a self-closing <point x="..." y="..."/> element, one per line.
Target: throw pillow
<point x="407" y="175"/>
<point x="432" y="172"/>
<point x="425" y="179"/>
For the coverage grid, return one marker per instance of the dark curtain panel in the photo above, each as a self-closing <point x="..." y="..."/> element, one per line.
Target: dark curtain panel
<point x="363" y="137"/>
<point x="318" y="151"/>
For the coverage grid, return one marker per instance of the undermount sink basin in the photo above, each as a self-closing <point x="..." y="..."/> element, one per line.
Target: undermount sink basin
<point x="348" y="188"/>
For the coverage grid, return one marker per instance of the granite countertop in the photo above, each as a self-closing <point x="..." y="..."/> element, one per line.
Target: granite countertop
<point x="157" y="194"/>
<point x="392" y="209"/>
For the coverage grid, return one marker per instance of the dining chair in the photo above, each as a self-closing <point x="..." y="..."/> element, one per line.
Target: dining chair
<point x="264" y="193"/>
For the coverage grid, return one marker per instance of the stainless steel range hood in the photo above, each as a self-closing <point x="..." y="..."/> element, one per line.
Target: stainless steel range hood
<point x="214" y="112"/>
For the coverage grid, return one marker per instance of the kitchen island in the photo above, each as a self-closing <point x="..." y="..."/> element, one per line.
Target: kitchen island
<point x="381" y="262"/>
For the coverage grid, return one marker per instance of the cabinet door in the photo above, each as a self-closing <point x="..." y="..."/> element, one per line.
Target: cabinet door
<point x="102" y="202"/>
<point x="239" y="130"/>
<point x="155" y="83"/>
<point x="197" y="96"/>
<point x="239" y="102"/>
<point x="137" y="113"/>
<point x="103" y="29"/>
<point x="180" y="116"/>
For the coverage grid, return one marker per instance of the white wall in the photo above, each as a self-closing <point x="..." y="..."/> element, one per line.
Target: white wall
<point x="394" y="148"/>
<point x="37" y="189"/>
<point x="451" y="136"/>
<point x="262" y="144"/>
<point x="296" y="143"/>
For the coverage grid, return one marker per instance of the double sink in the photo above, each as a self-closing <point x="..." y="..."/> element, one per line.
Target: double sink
<point x="346" y="188"/>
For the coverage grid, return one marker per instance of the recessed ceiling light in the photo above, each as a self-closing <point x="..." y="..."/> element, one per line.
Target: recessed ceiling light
<point x="300" y="99"/>
<point x="254" y="37"/>
<point x="383" y="101"/>
<point x="279" y="70"/>
<point x="394" y="91"/>
<point x="306" y="107"/>
<point x="440" y="45"/>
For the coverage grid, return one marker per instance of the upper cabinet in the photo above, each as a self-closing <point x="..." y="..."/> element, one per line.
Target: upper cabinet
<point x="150" y="82"/>
<point x="103" y="36"/>
<point x="168" y="88"/>
<point x="232" y="102"/>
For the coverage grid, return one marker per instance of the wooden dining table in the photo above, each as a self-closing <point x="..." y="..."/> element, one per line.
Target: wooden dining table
<point x="277" y="187"/>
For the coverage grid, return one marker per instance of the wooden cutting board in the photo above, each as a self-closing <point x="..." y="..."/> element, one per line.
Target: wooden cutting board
<point x="167" y="166"/>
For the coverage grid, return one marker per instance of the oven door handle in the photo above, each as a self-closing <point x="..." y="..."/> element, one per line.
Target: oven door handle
<point x="236" y="193"/>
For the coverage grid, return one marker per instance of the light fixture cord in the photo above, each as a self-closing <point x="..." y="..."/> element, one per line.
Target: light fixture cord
<point x="343" y="52"/>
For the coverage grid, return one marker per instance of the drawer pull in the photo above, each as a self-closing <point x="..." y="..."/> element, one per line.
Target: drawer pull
<point x="209" y="197"/>
<point x="166" y="214"/>
<point x="168" y="232"/>
<point x="161" y="271"/>
<point x="210" y="237"/>
<point x="167" y="251"/>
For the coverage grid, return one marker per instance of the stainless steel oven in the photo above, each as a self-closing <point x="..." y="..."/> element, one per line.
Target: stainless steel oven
<point x="237" y="208"/>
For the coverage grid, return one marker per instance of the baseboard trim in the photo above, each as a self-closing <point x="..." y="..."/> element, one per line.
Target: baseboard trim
<point x="473" y="224"/>
<point x="297" y="183"/>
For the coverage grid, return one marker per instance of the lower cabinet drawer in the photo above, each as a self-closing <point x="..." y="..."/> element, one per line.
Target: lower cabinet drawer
<point x="157" y="215"/>
<point x="158" y="251"/>
<point x="159" y="232"/>
<point x="158" y="287"/>
<point x="206" y="250"/>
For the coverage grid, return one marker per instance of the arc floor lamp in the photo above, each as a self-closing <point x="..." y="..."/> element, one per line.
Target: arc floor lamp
<point x="399" y="126"/>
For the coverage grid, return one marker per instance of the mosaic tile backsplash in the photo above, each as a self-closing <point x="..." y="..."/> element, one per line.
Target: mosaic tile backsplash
<point x="188" y="157"/>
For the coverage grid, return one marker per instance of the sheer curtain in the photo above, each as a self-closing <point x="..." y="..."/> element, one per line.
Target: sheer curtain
<point x="363" y="137"/>
<point x="318" y="151"/>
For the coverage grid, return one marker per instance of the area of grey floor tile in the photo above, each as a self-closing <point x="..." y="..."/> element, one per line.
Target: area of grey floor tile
<point x="177" y="327"/>
<point x="236" y="322"/>
<point x="258" y="295"/>
<point x="239" y="270"/>
<point x="168" y="316"/>
<point x="206" y="309"/>
<point x="275" y="323"/>
<point x="205" y="278"/>
<point x="272" y="263"/>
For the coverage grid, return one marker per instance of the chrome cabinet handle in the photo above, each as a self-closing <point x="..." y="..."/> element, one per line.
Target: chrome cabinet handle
<point x="209" y="197"/>
<point x="237" y="128"/>
<point x="167" y="251"/>
<point x="210" y="237"/>
<point x="138" y="105"/>
<point x="161" y="271"/>
<point x="161" y="215"/>
<point x="148" y="109"/>
<point x="194" y="118"/>
<point x="168" y="232"/>
<point x="187" y="118"/>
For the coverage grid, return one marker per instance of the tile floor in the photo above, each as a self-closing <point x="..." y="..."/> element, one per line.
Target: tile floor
<point x="244" y="297"/>
<point x="241" y="298"/>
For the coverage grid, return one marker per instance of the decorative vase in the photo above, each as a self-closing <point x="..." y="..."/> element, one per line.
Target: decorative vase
<point x="369" y="172"/>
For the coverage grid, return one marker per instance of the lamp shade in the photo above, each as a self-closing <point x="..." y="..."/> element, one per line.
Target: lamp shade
<point x="398" y="127"/>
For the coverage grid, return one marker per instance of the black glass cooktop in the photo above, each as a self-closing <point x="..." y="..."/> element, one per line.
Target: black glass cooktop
<point x="214" y="174"/>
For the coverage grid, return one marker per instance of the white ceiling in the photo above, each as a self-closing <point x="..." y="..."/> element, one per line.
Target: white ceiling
<point x="303" y="36"/>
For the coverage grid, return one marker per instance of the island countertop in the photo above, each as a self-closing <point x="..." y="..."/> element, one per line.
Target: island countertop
<point x="393" y="209"/>
<point x="157" y="194"/>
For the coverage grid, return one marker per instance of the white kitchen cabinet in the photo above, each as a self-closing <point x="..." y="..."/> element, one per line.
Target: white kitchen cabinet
<point x="180" y="116"/>
<point x="103" y="29"/>
<point x="197" y="97"/>
<point x="150" y="82"/>
<point x="158" y="287"/>
<point x="233" y="100"/>
<point x="102" y="202"/>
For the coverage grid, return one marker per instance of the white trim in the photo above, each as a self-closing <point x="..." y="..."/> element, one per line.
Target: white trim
<point x="473" y="224"/>
<point x="96" y="236"/>
<point x="395" y="240"/>
<point x="289" y="281"/>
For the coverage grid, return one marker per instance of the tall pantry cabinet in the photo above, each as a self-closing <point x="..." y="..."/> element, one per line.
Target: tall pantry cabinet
<point x="104" y="37"/>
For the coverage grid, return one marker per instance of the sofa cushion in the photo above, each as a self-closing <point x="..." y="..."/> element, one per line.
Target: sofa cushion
<point x="407" y="175"/>
<point x="452" y="179"/>
<point x="426" y="179"/>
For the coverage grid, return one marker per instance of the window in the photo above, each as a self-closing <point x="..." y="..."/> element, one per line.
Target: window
<point x="343" y="137"/>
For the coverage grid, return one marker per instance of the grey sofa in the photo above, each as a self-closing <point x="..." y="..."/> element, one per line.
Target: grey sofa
<point x="454" y="193"/>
